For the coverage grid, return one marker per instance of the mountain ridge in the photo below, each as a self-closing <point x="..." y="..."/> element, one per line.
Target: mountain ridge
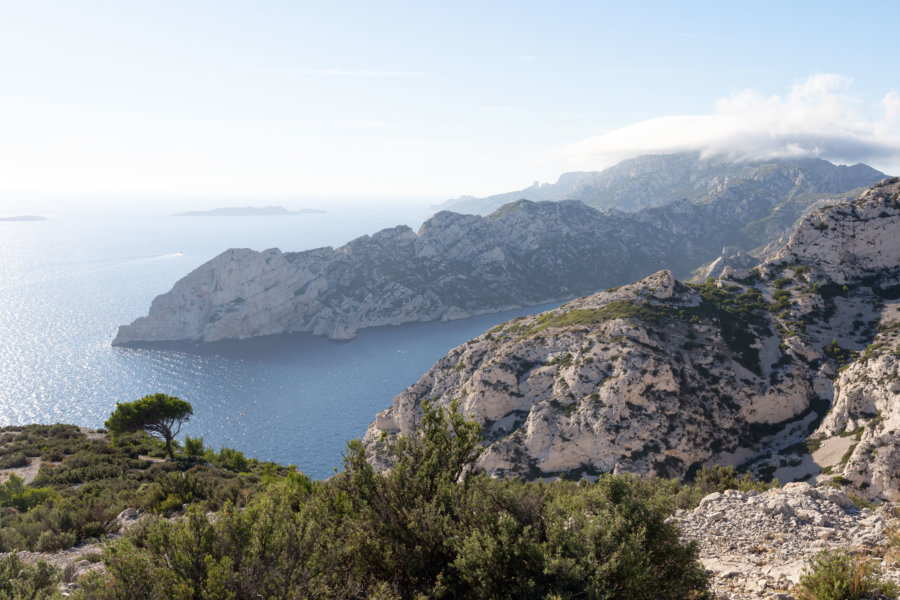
<point x="656" y="180"/>
<point x="526" y="254"/>
<point x="660" y="377"/>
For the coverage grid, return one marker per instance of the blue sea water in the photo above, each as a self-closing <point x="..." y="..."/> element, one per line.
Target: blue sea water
<point x="67" y="283"/>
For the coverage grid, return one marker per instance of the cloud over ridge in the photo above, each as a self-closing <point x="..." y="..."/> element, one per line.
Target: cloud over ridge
<point x="817" y="118"/>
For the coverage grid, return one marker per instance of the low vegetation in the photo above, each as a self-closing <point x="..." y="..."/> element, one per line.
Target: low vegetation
<point x="840" y="575"/>
<point x="84" y="482"/>
<point x="618" y="309"/>
<point x="20" y="580"/>
<point x="429" y="528"/>
<point x="740" y="315"/>
<point x="720" y="478"/>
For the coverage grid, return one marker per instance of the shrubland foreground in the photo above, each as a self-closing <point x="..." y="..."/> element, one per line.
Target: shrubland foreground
<point x="216" y="525"/>
<point x="429" y="528"/>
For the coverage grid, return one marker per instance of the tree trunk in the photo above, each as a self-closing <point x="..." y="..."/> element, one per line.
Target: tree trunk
<point x="169" y="448"/>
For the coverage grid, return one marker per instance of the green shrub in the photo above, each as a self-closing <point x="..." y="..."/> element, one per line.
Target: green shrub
<point x="228" y="458"/>
<point x="782" y="282"/>
<point x="839" y="575"/>
<point x="720" y="478"/>
<point x="20" y="580"/>
<point x="193" y="447"/>
<point x="834" y="350"/>
<point x="14" y="493"/>
<point x="13" y="461"/>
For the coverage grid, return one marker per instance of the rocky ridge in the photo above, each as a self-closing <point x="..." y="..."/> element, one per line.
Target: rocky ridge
<point x="524" y="254"/>
<point x="660" y="377"/>
<point x="657" y="180"/>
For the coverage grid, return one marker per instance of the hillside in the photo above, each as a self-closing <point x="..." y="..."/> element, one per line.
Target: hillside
<point x="108" y="518"/>
<point x="524" y="254"/>
<point x="661" y="377"/>
<point x="657" y="180"/>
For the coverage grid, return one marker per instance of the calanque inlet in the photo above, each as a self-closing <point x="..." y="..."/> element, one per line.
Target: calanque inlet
<point x="784" y="368"/>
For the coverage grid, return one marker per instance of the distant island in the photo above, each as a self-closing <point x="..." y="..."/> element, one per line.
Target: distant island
<point x="23" y="218"/>
<point x="248" y="211"/>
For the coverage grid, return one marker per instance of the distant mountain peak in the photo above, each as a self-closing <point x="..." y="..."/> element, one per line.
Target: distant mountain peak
<point x="658" y="179"/>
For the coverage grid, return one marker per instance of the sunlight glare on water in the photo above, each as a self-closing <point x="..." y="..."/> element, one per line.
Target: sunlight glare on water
<point x="66" y="285"/>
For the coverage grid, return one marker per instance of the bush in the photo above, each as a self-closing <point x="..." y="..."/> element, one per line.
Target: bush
<point x="231" y="459"/>
<point x="782" y="282"/>
<point x="14" y="493"/>
<point x="193" y="447"/>
<point x="13" y="461"/>
<point x="22" y="580"/>
<point x="839" y="575"/>
<point x="718" y="479"/>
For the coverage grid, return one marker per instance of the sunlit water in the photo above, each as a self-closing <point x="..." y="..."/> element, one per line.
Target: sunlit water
<point x="67" y="283"/>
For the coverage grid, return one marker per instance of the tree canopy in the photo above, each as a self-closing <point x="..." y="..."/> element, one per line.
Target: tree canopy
<point x="159" y="414"/>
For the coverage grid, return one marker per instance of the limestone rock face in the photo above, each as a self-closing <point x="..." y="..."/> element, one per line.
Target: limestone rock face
<point x="861" y="241"/>
<point x="652" y="377"/>
<point x="524" y="254"/>
<point x="853" y="241"/>
<point x="661" y="377"/>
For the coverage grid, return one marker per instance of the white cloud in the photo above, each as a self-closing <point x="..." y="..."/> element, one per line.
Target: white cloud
<point x="816" y="118"/>
<point x="891" y="105"/>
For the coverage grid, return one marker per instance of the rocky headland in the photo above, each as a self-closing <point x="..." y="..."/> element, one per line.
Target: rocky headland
<point x="524" y="254"/>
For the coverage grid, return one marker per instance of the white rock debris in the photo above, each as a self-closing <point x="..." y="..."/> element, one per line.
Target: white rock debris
<point x="757" y="545"/>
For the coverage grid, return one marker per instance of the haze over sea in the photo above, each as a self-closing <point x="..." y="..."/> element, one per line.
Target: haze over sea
<point x="67" y="283"/>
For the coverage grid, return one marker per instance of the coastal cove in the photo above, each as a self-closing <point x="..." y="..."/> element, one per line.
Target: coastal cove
<point x="291" y="399"/>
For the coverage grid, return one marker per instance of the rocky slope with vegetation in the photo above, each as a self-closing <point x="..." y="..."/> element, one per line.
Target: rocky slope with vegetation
<point x="429" y="529"/>
<point x="524" y="254"/>
<point x="216" y="525"/>
<point x="661" y="377"/>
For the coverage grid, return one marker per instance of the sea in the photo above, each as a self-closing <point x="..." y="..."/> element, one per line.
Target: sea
<point x="67" y="283"/>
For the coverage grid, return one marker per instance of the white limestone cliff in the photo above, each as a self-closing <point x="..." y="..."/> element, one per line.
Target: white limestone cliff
<point x="658" y="377"/>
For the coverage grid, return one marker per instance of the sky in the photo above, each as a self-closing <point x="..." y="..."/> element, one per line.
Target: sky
<point x="199" y="104"/>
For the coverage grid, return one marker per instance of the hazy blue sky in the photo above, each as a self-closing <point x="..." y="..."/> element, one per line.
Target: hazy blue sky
<point x="298" y="103"/>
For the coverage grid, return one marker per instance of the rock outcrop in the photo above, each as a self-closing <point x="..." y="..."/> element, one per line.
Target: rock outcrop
<point x="525" y="254"/>
<point x="661" y="377"/>
<point x="653" y="377"/>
